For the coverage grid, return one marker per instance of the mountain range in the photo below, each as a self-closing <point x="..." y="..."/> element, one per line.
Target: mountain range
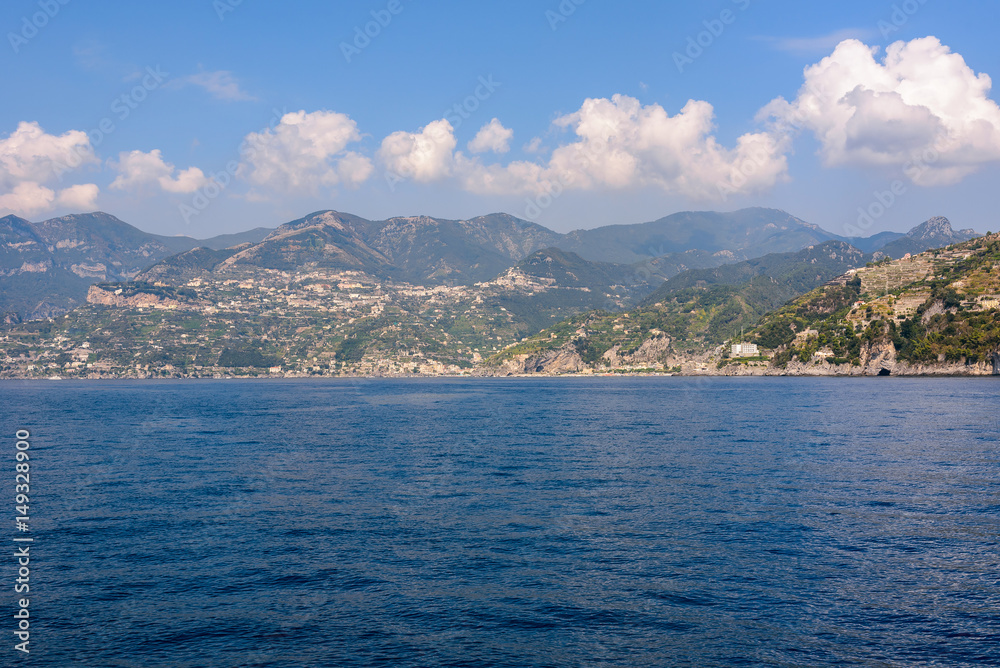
<point x="932" y="313"/>
<point x="47" y="267"/>
<point x="692" y="311"/>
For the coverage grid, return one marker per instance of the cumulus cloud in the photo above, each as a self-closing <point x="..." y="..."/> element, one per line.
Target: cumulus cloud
<point x="136" y="169"/>
<point x="221" y="85"/>
<point x="424" y="156"/>
<point x="533" y="146"/>
<point x="620" y="144"/>
<point x="921" y="109"/>
<point x="31" y="154"/>
<point x="27" y="198"/>
<point x="31" y="160"/>
<point x="492" y="137"/>
<point x="623" y="144"/>
<point x="81" y="197"/>
<point x="306" y="152"/>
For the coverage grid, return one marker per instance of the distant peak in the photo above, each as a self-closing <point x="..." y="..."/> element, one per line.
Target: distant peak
<point x="936" y="227"/>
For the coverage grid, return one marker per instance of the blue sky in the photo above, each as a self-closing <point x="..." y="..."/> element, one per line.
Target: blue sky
<point x="250" y="113"/>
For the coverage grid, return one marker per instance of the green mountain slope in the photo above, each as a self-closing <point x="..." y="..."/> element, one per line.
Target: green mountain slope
<point x="936" y="312"/>
<point x="694" y="311"/>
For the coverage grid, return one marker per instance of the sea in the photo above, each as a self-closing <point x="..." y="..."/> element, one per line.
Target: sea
<point x="504" y="522"/>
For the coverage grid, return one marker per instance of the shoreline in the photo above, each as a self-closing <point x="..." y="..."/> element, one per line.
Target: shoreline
<point x="491" y="377"/>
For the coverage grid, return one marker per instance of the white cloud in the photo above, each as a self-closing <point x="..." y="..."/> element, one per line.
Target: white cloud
<point x="31" y="160"/>
<point x="520" y="177"/>
<point x="31" y="154"/>
<point x="921" y="109"/>
<point x="136" y="169"/>
<point x="81" y="197"/>
<point x="27" y="198"/>
<point x="622" y="144"/>
<point x="221" y="85"/>
<point x="423" y="156"/>
<point x="533" y="146"/>
<point x="492" y="137"/>
<point x="306" y="152"/>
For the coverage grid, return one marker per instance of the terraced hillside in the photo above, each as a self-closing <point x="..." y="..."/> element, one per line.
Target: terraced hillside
<point x="933" y="313"/>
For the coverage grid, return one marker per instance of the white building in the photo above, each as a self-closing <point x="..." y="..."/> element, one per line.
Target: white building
<point x="745" y="350"/>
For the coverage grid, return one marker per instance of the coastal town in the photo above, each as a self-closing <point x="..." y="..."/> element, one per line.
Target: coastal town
<point x="300" y="324"/>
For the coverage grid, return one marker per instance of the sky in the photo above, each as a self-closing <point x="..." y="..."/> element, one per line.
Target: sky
<point x="204" y="117"/>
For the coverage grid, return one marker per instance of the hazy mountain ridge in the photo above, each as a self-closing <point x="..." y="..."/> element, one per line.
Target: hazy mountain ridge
<point x="935" y="233"/>
<point x="46" y="267"/>
<point x="692" y="311"/>
<point x="426" y="250"/>
<point x="74" y="251"/>
<point x="751" y="232"/>
<point x="345" y="322"/>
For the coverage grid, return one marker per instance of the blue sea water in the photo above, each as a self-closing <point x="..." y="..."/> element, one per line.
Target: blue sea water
<point x="560" y="522"/>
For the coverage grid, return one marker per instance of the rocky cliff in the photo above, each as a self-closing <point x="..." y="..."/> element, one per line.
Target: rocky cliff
<point x="119" y="299"/>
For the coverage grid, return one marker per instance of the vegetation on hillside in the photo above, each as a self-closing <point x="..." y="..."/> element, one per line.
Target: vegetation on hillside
<point x="955" y="319"/>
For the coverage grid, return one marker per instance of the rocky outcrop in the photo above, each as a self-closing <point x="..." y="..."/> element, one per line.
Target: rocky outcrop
<point x="562" y="360"/>
<point x="879" y="359"/>
<point x="95" y="270"/>
<point x="102" y="297"/>
<point x="652" y="352"/>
